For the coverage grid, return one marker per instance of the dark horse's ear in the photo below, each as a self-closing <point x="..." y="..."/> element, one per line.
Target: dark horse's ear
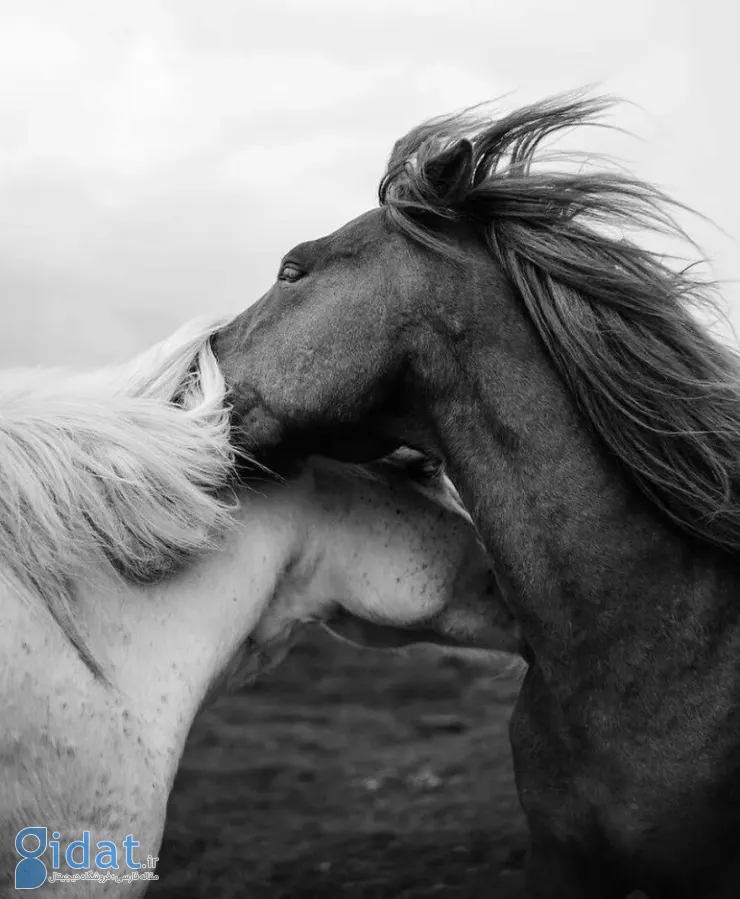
<point x="449" y="173"/>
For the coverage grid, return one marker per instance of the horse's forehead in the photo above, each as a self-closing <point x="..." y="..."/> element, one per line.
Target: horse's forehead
<point x="361" y="239"/>
<point x="366" y="228"/>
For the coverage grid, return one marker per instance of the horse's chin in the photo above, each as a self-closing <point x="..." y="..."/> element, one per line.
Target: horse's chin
<point x="370" y="635"/>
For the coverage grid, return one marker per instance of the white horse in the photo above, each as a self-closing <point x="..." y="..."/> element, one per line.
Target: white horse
<point x="135" y="579"/>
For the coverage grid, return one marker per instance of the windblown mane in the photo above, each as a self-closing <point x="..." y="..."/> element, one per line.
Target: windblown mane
<point x="120" y="471"/>
<point x="616" y="319"/>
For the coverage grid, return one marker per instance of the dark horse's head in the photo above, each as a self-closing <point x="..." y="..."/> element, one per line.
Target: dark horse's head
<point x="320" y="363"/>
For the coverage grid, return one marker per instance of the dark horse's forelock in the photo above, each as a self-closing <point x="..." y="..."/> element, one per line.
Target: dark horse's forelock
<point x="663" y="394"/>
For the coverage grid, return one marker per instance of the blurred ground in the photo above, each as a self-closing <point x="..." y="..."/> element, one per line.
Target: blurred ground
<point x="349" y="774"/>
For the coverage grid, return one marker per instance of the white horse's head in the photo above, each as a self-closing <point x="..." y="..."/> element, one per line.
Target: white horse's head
<point x="395" y="560"/>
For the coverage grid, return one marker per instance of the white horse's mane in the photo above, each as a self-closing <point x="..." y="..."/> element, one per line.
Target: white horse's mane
<point x="122" y="470"/>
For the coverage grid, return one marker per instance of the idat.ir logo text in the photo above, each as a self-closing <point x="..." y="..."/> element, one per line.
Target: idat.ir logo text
<point x="84" y="860"/>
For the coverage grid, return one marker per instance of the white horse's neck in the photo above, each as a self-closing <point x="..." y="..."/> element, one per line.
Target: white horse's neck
<point x="178" y="639"/>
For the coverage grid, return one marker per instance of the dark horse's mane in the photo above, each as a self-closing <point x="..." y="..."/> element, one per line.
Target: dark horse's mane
<point x="618" y="322"/>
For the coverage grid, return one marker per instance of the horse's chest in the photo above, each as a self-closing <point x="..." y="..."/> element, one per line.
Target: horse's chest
<point x="617" y="802"/>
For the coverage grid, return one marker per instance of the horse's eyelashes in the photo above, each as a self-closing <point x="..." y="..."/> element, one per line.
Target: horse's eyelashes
<point x="290" y="272"/>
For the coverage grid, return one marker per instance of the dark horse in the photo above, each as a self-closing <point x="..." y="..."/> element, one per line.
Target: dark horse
<point x="494" y="314"/>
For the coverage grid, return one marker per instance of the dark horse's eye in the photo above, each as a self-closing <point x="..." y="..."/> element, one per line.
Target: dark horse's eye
<point x="289" y="271"/>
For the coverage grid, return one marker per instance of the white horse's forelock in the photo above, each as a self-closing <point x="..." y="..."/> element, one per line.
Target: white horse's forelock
<point x="123" y="470"/>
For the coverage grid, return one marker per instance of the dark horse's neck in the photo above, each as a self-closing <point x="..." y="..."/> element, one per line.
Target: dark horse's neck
<point x="630" y="624"/>
<point x="582" y="550"/>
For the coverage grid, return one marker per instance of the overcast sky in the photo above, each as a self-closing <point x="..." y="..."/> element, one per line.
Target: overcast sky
<point x="157" y="158"/>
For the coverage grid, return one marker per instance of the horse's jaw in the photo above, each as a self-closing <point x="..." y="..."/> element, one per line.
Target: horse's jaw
<point x="372" y="635"/>
<point x="368" y="635"/>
